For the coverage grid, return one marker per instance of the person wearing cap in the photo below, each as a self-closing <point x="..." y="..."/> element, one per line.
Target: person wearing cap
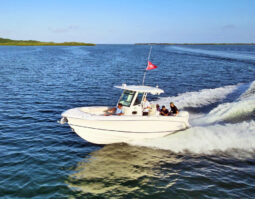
<point x="174" y="110"/>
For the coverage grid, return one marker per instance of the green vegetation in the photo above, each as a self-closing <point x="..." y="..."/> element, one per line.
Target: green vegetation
<point x="195" y="44"/>
<point x="10" y="42"/>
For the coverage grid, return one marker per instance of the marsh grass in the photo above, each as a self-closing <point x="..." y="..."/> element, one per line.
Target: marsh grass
<point x="10" y="42"/>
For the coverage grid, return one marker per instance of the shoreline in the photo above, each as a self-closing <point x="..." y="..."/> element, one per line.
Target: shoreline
<point x="47" y="44"/>
<point x="10" y="42"/>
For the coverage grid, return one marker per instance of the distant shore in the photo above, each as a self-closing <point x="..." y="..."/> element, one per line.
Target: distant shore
<point x="10" y="42"/>
<point x="194" y="43"/>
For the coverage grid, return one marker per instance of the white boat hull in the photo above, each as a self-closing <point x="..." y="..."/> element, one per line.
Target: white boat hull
<point x="100" y="129"/>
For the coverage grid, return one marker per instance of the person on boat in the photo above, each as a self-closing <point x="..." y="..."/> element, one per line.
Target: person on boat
<point x="174" y="110"/>
<point x="119" y="110"/>
<point x="158" y="108"/>
<point x="164" y="111"/>
<point x="115" y="111"/>
<point x="146" y="107"/>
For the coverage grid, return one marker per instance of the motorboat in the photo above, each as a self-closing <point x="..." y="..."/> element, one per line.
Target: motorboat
<point x="92" y="124"/>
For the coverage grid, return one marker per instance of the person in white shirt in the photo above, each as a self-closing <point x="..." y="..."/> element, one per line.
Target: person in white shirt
<point x="146" y="106"/>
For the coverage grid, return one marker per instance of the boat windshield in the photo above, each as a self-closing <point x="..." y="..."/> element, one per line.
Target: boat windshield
<point x="139" y="99"/>
<point x="126" y="98"/>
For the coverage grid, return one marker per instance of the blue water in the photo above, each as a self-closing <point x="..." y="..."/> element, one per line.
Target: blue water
<point x="42" y="159"/>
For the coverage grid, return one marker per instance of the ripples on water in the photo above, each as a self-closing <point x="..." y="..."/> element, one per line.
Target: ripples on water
<point x="42" y="159"/>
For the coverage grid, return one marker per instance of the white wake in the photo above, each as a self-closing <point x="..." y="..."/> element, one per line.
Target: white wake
<point x="230" y="111"/>
<point x="244" y="106"/>
<point x="208" y="139"/>
<point x="200" y="98"/>
<point x="209" y="134"/>
<point x="221" y="54"/>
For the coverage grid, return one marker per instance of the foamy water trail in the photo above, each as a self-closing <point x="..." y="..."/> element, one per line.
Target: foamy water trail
<point x="207" y="135"/>
<point x="208" y="139"/>
<point x="244" y="106"/>
<point x="200" y="98"/>
<point x="230" y="111"/>
<point x="222" y="54"/>
<point x="249" y="92"/>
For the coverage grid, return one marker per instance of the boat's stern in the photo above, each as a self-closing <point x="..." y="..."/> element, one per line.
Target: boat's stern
<point x="185" y="116"/>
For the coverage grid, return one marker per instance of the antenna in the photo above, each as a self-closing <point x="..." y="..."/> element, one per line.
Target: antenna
<point x="147" y="65"/>
<point x="149" y="54"/>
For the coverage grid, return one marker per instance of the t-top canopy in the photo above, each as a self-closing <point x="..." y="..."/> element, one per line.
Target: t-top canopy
<point x="142" y="89"/>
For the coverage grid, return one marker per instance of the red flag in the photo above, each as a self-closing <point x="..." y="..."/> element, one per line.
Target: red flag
<point x="151" y="66"/>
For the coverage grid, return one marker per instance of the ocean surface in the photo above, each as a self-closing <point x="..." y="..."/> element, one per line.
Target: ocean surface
<point x="215" y="158"/>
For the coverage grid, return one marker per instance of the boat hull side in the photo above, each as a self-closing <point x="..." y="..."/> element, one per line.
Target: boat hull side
<point x="109" y="132"/>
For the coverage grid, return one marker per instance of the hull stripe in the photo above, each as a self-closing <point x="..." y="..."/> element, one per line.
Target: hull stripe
<point x="125" y="131"/>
